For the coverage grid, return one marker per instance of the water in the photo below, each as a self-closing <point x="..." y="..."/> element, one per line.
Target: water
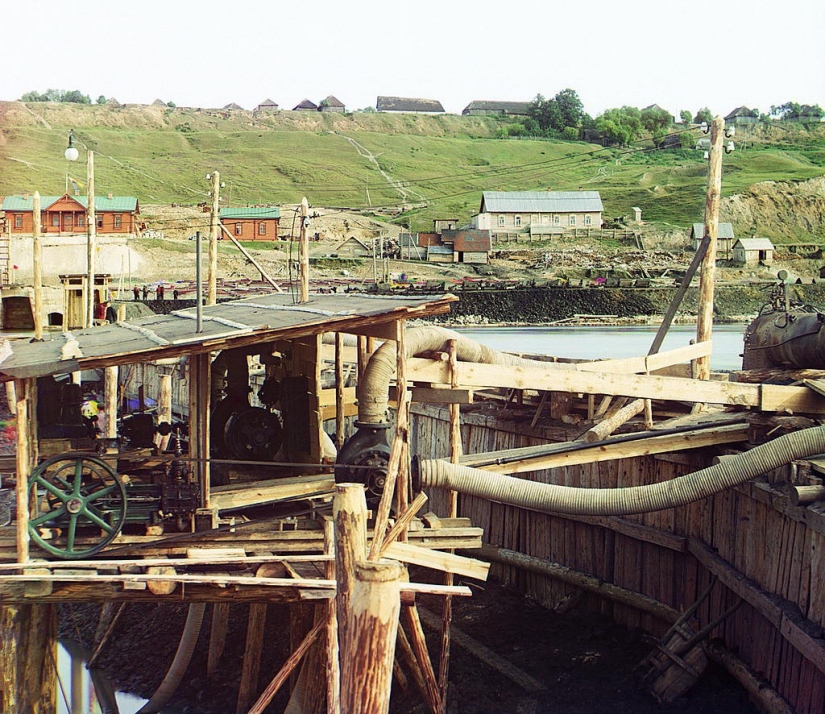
<point x="608" y="342"/>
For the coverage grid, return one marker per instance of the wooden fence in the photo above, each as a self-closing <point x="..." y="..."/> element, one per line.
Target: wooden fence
<point x="765" y="551"/>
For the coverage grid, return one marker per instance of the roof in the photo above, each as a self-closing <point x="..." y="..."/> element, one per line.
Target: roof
<point x="725" y="231"/>
<point x="468" y="240"/>
<point x="331" y="101"/>
<point x="268" y="103"/>
<point x="743" y="112"/>
<point x="353" y="240"/>
<point x="102" y="203"/>
<point x="541" y="202"/>
<point x="408" y="104"/>
<point x="304" y="105"/>
<point x="440" y="249"/>
<point x="266" y="212"/>
<point x="754" y="243"/>
<point x="236" y="323"/>
<point x="484" y="105"/>
<point x="232" y="105"/>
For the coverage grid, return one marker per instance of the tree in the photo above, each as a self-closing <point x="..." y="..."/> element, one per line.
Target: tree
<point x="554" y="115"/>
<point x="101" y="99"/>
<point x="703" y="115"/>
<point x="171" y="105"/>
<point x="792" y="110"/>
<point x="621" y="125"/>
<point x="570" y="109"/>
<point x="544" y="112"/>
<point x="685" y="116"/>
<point x="34" y="97"/>
<point x="657" y="123"/>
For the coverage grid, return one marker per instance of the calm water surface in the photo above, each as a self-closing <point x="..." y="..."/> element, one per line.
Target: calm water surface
<point x="600" y="342"/>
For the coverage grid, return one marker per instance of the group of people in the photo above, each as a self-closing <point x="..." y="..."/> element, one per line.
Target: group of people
<point x="159" y="292"/>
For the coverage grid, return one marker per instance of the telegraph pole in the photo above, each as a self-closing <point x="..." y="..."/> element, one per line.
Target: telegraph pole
<point x="304" y="251"/>
<point x="707" y="269"/>
<point x="38" y="268"/>
<point x="214" y="232"/>
<point x="91" y="238"/>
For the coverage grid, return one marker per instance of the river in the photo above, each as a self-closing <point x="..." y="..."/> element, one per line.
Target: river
<point x="614" y="342"/>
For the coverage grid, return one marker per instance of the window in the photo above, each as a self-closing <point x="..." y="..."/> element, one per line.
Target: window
<point x="588" y="219"/>
<point x="534" y="219"/>
<point x="118" y="220"/>
<point x="81" y="220"/>
<point x="572" y="219"/>
<point x="501" y="220"/>
<point x="55" y="220"/>
<point x="517" y="221"/>
<point x="557" y="220"/>
<point x="18" y="220"/>
<point x="239" y="229"/>
<point x="262" y="229"/>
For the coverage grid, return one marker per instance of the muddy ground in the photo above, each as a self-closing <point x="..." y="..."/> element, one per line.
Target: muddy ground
<point x="584" y="661"/>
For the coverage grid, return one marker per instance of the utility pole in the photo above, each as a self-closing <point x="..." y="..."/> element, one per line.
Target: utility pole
<point x="707" y="269"/>
<point x="38" y="268"/>
<point x="214" y="232"/>
<point x="304" y="251"/>
<point x="91" y="238"/>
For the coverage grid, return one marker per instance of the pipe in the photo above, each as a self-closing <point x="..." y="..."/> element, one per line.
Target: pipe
<point x="183" y="656"/>
<point x="620" y="501"/>
<point x="373" y="391"/>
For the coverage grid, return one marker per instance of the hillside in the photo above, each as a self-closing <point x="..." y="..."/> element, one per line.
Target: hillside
<point x="406" y="168"/>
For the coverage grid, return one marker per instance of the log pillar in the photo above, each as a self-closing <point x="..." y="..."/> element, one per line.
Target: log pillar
<point x="28" y="675"/>
<point x="368" y="651"/>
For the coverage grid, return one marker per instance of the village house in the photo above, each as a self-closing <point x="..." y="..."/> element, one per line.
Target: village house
<point x="724" y="238"/>
<point x="536" y="212"/>
<point x="267" y="105"/>
<point x="332" y="104"/>
<point x="408" y="104"/>
<point x="66" y="214"/>
<point x="742" y="116"/>
<point x="482" y="108"/>
<point x="353" y="247"/>
<point x="753" y="251"/>
<point x="251" y="223"/>
<point x="305" y="106"/>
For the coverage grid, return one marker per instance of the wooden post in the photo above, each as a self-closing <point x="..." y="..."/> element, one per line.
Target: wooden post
<point x="110" y="376"/>
<point x="333" y="663"/>
<point x="91" y="238"/>
<point x="37" y="259"/>
<point x="164" y="406"/>
<point x="199" y="383"/>
<point x="707" y="270"/>
<point x="402" y="421"/>
<point x="217" y="636"/>
<point x="372" y="628"/>
<point x="349" y="509"/>
<point x="304" y="251"/>
<point x="214" y="232"/>
<point x="612" y="422"/>
<point x="340" y="416"/>
<point x="28" y="657"/>
<point x="23" y="388"/>
<point x="251" y="656"/>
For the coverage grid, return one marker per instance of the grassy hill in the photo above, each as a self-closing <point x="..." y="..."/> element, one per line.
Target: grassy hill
<point x="431" y="166"/>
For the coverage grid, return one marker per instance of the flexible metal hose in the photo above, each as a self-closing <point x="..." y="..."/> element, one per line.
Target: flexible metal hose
<point x="373" y="390"/>
<point x="186" y="647"/>
<point x="622" y="501"/>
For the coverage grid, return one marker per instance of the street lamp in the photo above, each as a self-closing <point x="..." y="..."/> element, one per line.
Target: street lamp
<point x="72" y="154"/>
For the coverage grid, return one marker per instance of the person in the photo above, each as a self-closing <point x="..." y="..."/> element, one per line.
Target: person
<point x="100" y="311"/>
<point x="145" y="292"/>
<point x="160" y="291"/>
<point x="111" y="314"/>
<point x="136" y="292"/>
<point x="175" y="293"/>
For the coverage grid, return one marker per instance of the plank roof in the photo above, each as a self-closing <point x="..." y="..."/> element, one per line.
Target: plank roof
<point x="541" y="202"/>
<point x="725" y="230"/>
<point x="236" y="323"/>
<point x="243" y="212"/>
<point x="408" y="104"/>
<point x="484" y="105"/>
<point x="754" y="243"/>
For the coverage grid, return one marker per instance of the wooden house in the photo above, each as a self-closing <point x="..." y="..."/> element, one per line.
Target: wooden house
<point x="409" y="104"/>
<point x="233" y="106"/>
<point x="353" y="247"/>
<point x="305" y="106"/>
<point x="469" y="245"/>
<point x="251" y="223"/>
<point x="724" y="238"/>
<point x="66" y="214"/>
<point x="331" y="104"/>
<point x="522" y="211"/>
<point x="742" y="116"/>
<point x="267" y="105"/>
<point x="753" y="251"/>
<point x="480" y="107"/>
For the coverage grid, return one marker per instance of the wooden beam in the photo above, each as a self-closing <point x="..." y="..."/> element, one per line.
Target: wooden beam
<point x="441" y="395"/>
<point x="445" y="562"/>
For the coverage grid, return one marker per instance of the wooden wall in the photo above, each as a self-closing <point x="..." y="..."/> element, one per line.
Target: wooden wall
<point x="764" y="550"/>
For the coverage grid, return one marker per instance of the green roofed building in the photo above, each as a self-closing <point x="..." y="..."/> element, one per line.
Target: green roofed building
<point x="251" y="223"/>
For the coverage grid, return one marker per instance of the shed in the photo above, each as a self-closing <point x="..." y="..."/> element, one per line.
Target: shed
<point x="724" y="238"/>
<point x="352" y="247"/>
<point x="469" y="245"/>
<point x="331" y="104"/>
<point x="752" y="251"/>
<point x="440" y="254"/>
<point x="409" y="104"/>
<point x="742" y="116"/>
<point x="305" y="106"/>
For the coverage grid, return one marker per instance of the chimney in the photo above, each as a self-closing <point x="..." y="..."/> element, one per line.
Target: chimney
<point x="110" y="196"/>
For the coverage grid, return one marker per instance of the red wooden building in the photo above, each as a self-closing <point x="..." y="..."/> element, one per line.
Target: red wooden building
<point x="251" y="223"/>
<point x="67" y="214"/>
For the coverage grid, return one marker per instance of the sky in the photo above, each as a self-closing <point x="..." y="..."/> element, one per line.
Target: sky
<point x="611" y="52"/>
